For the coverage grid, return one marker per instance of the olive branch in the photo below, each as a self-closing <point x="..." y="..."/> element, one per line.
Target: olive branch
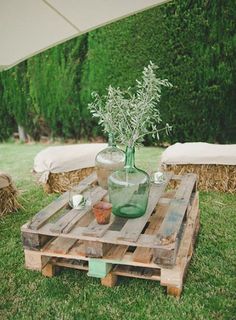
<point x="131" y="116"/>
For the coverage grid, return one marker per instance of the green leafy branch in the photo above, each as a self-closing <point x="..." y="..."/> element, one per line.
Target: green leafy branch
<point x="131" y="116"/>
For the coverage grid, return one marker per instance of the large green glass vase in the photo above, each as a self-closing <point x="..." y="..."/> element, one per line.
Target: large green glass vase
<point x="108" y="160"/>
<point x="129" y="189"/>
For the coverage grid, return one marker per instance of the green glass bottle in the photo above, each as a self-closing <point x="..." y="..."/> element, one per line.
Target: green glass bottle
<point x="129" y="188"/>
<point x="108" y="160"/>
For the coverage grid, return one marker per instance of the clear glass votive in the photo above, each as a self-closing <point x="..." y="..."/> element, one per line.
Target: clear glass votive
<point x="80" y="199"/>
<point x="158" y="177"/>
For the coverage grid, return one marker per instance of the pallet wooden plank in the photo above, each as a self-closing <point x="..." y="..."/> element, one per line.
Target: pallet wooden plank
<point x="170" y="227"/>
<point x="118" y="223"/>
<point x="77" y="249"/>
<point x="45" y="214"/>
<point x="127" y="271"/>
<point x="116" y="252"/>
<point x="60" y="245"/>
<point x="109" y="237"/>
<point x="34" y="241"/>
<point x="97" y="196"/>
<point x="109" y="280"/>
<point x="173" y="277"/>
<point x="85" y="220"/>
<point x="33" y="260"/>
<point x="97" y="230"/>
<point x="68" y="263"/>
<point x="168" y="257"/>
<point x="95" y="249"/>
<point x="145" y="254"/>
<point x="188" y="236"/>
<point x="133" y="227"/>
<point x="68" y="221"/>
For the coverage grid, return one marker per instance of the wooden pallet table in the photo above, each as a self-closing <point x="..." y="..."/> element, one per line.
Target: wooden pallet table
<point x="157" y="246"/>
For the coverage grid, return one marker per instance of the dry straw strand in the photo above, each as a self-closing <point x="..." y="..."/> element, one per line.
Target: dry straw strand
<point x="61" y="182"/>
<point x="9" y="202"/>
<point x="211" y="177"/>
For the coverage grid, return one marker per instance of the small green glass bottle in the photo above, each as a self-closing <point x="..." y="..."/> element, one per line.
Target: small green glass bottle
<point x="129" y="188"/>
<point x="108" y="160"/>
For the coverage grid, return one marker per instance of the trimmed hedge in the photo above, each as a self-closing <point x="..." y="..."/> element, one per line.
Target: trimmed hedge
<point x="7" y="122"/>
<point x="43" y="93"/>
<point x="193" y="43"/>
<point x="54" y="77"/>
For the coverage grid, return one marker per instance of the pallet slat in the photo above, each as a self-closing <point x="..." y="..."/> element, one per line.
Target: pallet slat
<point x="173" y="219"/>
<point x="44" y="215"/>
<point x="60" y="245"/>
<point x="145" y="254"/>
<point x="97" y="230"/>
<point x="116" y="252"/>
<point x="66" y="223"/>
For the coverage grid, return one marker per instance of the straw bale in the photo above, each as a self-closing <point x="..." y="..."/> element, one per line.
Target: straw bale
<point x="211" y="177"/>
<point x="8" y="200"/>
<point x="61" y="182"/>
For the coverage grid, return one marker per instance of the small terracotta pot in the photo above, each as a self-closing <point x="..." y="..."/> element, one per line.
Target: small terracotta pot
<point x="102" y="212"/>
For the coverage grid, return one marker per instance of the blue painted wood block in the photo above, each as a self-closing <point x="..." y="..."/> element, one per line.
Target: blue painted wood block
<point x="98" y="268"/>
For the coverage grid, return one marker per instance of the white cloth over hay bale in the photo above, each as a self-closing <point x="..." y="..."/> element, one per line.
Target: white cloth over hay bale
<point x="214" y="164"/>
<point x="62" y="166"/>
<point x="8" y="195"/>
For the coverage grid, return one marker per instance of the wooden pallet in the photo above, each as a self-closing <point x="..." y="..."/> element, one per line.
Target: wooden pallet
<point x="157" y="246"/>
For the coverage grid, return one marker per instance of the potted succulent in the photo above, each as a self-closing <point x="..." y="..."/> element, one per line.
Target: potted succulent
<point x="136" y="115"/>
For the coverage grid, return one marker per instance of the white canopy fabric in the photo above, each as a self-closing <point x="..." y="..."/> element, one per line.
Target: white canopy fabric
<point x="28" y="27"/>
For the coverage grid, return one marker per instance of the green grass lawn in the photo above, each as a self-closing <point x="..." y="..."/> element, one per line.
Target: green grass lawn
<point x="209" y="290"/>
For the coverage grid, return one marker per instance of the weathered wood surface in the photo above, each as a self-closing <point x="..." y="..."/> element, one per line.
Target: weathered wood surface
<point x="173" y="277"/>
<point x="60" y="245"/>
<point x="131" y="272"/>
<point x="155" y="235"/>
<point x="34" y="241"/>
<point x="170" y="227"/>
<point x="66" y="223"/>
<point x="116" y="253"/>
<point x="44" y="215"/>
<point x="96" y="249"/>
<point x="119" y="260"/>
<point x="168" y="257"/>
<point x="145" y="254"/>
<point x="97" y="230"/>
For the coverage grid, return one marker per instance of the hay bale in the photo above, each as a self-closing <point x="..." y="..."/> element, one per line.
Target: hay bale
<point x="211" y="177"/>
<point x="59" y="167"/>
<point x="8" y="195"/>
<point x="215" y="164"/>
<point x="61" y="182"/>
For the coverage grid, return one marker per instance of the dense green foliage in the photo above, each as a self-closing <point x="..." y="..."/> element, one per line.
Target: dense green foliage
<point x="42" y="93"/>
<point x="193" y="42"/>
<point x="209" y="289"/>
<point x="7" y="123"/>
